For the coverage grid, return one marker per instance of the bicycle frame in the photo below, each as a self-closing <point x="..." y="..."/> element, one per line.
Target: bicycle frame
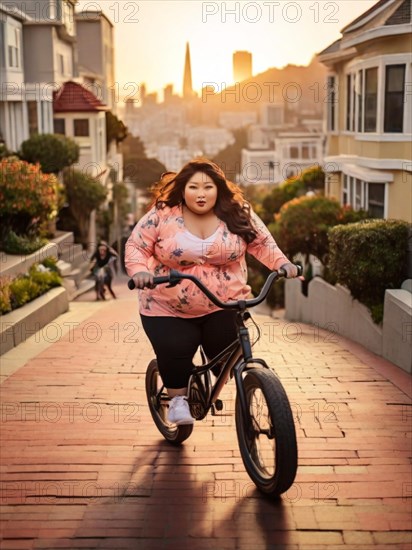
<point x="239" y="356"/>
<point x="240" y="351"/>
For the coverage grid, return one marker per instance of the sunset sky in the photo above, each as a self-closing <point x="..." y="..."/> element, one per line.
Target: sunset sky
<point x="151" y="35"/>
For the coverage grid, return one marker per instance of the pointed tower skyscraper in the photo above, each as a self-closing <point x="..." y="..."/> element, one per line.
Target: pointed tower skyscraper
<point x="187" y="78"/>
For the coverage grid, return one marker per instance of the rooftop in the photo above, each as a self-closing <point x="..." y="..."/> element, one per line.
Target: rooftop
<point x="73" y="97"/>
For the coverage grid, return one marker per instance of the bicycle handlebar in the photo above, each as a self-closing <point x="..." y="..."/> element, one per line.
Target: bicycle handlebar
<point x="176" y="276"/>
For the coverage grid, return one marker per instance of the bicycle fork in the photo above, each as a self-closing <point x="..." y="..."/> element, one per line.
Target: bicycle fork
<point x="238" y="372"/>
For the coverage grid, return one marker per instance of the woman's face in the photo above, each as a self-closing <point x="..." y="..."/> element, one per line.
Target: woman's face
<point x="102" y="250"/>
<point x="200" y="193"/>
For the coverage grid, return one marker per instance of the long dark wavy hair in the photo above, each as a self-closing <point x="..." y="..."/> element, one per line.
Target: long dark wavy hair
<point x="231" y="207"/>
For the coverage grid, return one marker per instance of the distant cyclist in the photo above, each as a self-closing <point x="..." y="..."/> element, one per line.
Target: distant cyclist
<point x="101" y="268"/>
<point x="199" y="223"/>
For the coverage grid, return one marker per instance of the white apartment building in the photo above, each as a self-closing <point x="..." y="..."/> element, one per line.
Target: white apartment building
<point x="25" y="105"/>
<point x="296" y="151"/>
<point x="28" y="78"/>
<point x="278" y="150"/>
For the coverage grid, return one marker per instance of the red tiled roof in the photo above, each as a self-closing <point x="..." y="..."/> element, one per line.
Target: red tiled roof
<point x="73" y="97"/>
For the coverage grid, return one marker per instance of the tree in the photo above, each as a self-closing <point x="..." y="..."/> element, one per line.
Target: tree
<point x="311" y="179"/>
<point x="84" y="194"/>
<point x="230" y="158"/>
<point x="143" y="172"/>
<point x="115" y="129"/>
<point x="53" y="151"/>
<point x="303" y="223"/>
<point x="133" y="146"/>
<point x="274" y="201"/>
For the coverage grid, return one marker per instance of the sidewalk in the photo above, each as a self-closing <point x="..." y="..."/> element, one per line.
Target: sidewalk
<point x="83" y="465"/>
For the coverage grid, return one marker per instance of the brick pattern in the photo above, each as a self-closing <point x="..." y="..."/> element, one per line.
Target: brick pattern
<point x="83" y="465"/>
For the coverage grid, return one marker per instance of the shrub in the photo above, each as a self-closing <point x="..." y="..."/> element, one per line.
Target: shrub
<point x="23" y="290"/>
<point x="14" y="293"/>
<point x="28" y="197"/>
<point x="44" y="278"/>
<point x="50" y="263"/>
<point x="14" y="244"/>
<point x="5" y="303"/>
<point x="369" y="257"/>
<point x="53" y="151"/>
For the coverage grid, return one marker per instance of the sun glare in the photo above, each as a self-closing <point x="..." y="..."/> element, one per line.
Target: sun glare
<point x="150" y="42"/>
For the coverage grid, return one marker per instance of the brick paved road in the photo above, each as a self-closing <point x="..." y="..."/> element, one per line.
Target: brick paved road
<point x="84" y="467"/>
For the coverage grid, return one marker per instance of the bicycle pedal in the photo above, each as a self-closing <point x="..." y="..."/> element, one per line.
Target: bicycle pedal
<point x="218" y="404"/>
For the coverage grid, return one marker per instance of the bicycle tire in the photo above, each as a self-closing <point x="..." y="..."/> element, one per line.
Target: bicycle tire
<point x="278" y="478"/>
<point x="173" y="434"/>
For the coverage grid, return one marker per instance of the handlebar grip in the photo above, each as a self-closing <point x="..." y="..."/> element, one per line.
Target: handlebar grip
<point x="156" y="281"/>
<point x="300" y="269"/>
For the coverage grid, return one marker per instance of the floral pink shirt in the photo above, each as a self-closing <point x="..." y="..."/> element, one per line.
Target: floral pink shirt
<point x="160" y="242"/>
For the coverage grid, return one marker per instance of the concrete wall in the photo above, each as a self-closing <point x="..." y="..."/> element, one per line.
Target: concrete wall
<point x="20" y="324"/>
<point x="397" y="328"/>
<point x="332" y="308"/>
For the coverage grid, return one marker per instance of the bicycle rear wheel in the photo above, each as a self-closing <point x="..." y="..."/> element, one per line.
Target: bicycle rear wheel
<point x="158" y="406"/>
<point x="267" y="437"/>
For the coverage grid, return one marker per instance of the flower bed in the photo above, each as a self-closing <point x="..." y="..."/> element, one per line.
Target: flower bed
<point x="15" y="292"/>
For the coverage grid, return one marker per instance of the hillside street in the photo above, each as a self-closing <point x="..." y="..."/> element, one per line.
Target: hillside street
<point x="83" y="465"/>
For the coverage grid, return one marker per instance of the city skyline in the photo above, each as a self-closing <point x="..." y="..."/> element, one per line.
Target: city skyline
<point x="275" y="33"/>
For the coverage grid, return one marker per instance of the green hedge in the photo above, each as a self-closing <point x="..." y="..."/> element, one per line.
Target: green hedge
<point x="369" y="257"/>
<point x="40" y="278"/>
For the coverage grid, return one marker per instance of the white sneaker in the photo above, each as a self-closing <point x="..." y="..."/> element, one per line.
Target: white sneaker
<point x="179" y="412"/>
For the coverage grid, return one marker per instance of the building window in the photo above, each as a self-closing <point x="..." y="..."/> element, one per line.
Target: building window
<point x="357" y="195"/>
<point x="81" y="127"/>
<point x="360" y="101"/>
<point x="59" y="126"/>
<point x="394" y="98"/>
<point x="371" y="99"/>
<point x="61" y="63"/>
<point x="332" y="101"/>
<point x="33" y="117"/>
<point x="346" y="190"/>
<point x="294" y="152"/>
<point x="14" y="49"/>
<point x="376" y="200"/>
<point x="348" y="100"/>
<point x="362" y="195"/>
<point x="2" y="45"/>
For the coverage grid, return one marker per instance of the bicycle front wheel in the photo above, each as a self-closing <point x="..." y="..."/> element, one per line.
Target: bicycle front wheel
<point x="266" y="433"/>
<point x="158" y="406"/>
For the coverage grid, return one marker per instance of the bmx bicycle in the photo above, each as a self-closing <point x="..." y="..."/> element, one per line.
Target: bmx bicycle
<point x="264" y="421"/>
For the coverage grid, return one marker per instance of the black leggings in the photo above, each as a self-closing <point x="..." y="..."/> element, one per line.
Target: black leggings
<point x="175" y="341"/>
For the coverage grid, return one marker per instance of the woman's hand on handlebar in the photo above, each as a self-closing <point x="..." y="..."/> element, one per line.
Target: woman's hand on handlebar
<point x="143" y="279"/>
<point x="291" y="270"/>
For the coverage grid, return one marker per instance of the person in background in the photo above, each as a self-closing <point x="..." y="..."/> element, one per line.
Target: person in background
<point x="101" y="268"/>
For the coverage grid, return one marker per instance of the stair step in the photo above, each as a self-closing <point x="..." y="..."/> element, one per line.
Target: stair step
<point x="73" y="253"/>
<point x="64" y="268"/>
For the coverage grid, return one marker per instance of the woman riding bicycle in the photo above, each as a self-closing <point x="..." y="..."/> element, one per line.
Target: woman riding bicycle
<point x="198" y="223"/>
